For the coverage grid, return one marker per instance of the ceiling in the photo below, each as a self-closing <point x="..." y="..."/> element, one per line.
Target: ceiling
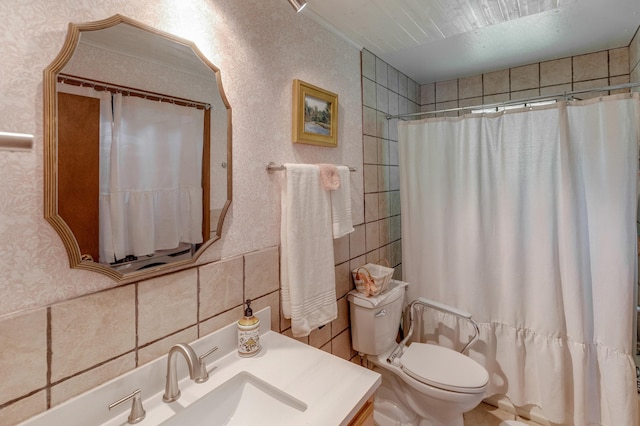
<point x="436" y="40"/>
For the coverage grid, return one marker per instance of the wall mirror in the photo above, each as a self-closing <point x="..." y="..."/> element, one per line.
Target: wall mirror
<point x="137" y="149"/>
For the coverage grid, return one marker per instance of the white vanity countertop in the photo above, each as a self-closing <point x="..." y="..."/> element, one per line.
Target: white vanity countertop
<point x="333" y="389"/>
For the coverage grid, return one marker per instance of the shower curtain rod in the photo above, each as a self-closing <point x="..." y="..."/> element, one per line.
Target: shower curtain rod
<point x="115" y="88"/>
<point x="565" y="95"/>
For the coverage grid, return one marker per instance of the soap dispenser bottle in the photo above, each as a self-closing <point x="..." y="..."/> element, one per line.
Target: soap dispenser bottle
<point x="248" y="333"/>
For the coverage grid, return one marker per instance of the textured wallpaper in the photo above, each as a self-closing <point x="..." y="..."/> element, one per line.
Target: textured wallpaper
<point x="260" y="47"/>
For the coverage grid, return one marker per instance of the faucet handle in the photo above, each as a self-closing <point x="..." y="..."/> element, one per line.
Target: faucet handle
<point x="204" y="374"/>
<point x="137" y="413"/>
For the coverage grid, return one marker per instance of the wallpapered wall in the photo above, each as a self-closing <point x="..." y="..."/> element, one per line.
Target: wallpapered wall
<point x="260" y="47"/>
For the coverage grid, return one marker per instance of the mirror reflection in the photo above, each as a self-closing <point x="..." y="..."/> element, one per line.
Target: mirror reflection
<point x="142" y="173"/>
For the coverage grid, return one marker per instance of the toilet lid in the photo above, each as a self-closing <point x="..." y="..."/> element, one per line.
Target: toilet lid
<point x="443" y="368"/>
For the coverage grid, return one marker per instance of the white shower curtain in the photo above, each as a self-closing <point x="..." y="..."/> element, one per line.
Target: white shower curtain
<point x="527" y="220"/>
<point x="151" y="190"/>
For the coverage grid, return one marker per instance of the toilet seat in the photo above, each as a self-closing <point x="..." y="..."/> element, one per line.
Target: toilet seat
<point x="443" y="368"/>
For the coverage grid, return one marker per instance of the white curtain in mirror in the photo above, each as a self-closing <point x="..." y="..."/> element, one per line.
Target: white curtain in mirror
<point x="527" y="220"/>
<point x="151" y="196"/>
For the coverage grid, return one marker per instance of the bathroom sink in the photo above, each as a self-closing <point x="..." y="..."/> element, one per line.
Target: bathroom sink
<point x="244" y="399"/>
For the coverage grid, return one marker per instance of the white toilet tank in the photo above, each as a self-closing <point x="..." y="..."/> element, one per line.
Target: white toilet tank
<point x="375" y="320"/>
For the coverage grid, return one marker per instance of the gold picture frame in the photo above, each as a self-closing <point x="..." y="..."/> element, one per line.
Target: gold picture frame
<point x="315" y="115"/>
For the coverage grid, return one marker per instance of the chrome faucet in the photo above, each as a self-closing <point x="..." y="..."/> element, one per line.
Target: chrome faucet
<point x="197" y="369"/>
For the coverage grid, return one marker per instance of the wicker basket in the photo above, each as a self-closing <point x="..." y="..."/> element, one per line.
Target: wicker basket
<point x="372" y="279"/>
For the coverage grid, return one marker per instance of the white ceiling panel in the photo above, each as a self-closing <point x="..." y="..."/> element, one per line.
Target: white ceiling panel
<point x="435" y="40"/>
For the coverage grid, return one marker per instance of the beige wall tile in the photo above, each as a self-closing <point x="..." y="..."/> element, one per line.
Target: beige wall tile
<point x="555" y="72"/>
<point x="525" y="94"/>
<point x="289" y="334"/>
<point x="368" y="64"/>
<point x="25" y="408"/>
<point x="413" y="91"/>
<point x="428" y="108"/>
<point x="403" y="105"/>
<point x="492" y="99"/>
<point x="428" y="93"/>
<point x="621" y="79"/>
<point x="396" y="253"/>
<point x="372" y="236"/>
<point x="392" y="78"/>
<point x="383" y="151"/>
<point x="219" y="321"/>
<point x="385" y="231"/>
<point x="261" y="273"/>
<point x="382" y="98"/>
<point x="581" y="85"/>
<point x="381" y="72"/>
<point x="272" y="300"/>
<point x="382" y="125"/>
<point x="470" y="87"/>
<point x="403" y="83"/>
<point x="397" y="273"/>
<point x="326" y="347"/>
<point x="394" y="178"/>
<point x="395" y="228"/>
<point x="221" y="286"/>
<point x="370" y="150"/>
<point x="320" y="336"/>
<point x="371" y="207"/>
<point x="23" y="354"/>
<point x="495" y="82"/>
<point x="447" y="91"/>
<point x="342" y="322"/>
<point x="343" y="279"/>
<point x="92" y="378"/>
<point x="554" y="90"/>
<point x="394" y="103"/>
<point x="357" y="262"/>
<point x="370" y="178"/>
<point x="369" y="121"/>
<point x="469" y="102"/>
<point x="383" y="204"/>
<point x="590" y="66"/>
<point x="341" y="249"/>
<point x="618" y="61"/>
<point x="394" y="154"/>
<point x="393" y="139"/>
<point x="167" y="304"/>
<point x="526" y="77"/>
<point x="341" y="345"/>
<point x="383" y="178"/>
<point x="373" y="256"/>
<point x="368" y="93"/>
<point x="92" y="329"/>
<point x="447" y="105"/>
<point x="634" y="77"/>
<point x="161" y="347"/>
<point x="634" y="51"/>
<point x="394" y="203"/>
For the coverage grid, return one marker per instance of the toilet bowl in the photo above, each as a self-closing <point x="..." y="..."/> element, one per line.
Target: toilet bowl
<point x="422" y="384"/>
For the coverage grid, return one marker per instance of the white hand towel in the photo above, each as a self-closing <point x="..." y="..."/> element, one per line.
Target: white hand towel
<point x="307" y="263"/>
<point x="341" y="205"/>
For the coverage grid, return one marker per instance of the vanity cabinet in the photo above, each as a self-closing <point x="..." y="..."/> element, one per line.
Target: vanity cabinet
<point x="364" y="416"/>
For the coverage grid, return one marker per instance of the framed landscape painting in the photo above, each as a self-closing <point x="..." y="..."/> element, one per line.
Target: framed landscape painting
<point x="315" y="115"/>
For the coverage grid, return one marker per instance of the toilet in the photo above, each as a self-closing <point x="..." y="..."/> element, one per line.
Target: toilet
<point x="422" y="384"/>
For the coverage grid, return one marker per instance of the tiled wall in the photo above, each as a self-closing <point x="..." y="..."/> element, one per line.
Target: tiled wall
<point x="634" y="58"/>
<point x="593" y="70"/>
<point x="54" y="353"/>
<point x="63" y="331"/>
<point x="385" y="91"/>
